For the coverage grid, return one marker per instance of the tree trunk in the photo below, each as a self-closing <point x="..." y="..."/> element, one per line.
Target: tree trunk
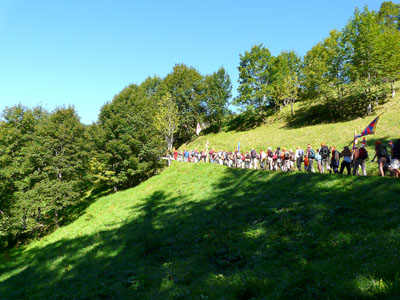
<point x="115" y="188"/>
<point x="56" y="218"/>
<point x="369" y="107"/>
<point x="393" y="85"/>
<point x="291" y="108"/>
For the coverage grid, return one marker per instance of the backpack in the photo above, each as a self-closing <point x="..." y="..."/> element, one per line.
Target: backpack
<point x="336" y="155"/>
<point x="324" y="152"/>
<point x="253" y="154"/>
<point x="248" y="156"/>
<point x="238" y="156"/>
<point x="382" y="152"/>
<point x="301" y="152"/>
<point x="363" y="154"/>
<point x="286" y="155"/>
<point x="311" y="154"/>
<point x="271" y="154"/>
<point x="396" y="149"/>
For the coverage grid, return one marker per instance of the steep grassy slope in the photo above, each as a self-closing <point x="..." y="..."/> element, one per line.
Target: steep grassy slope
<point x="201" y="231"/>
<point x="285" y="131"/>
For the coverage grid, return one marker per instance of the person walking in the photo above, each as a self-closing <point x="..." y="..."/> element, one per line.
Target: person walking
<point x="270" y="160"/>
<point x="325" y="163"/>
<point x="359" y="157"/>
<point x="310" y="153"/>
<point x="318" y="159"/>
<point x="254" y="161"/>
<point x="299" y="157"/>
<point x="335" y="160"/>
<point x="382" y="154"/>
<point x="346" y="163"/>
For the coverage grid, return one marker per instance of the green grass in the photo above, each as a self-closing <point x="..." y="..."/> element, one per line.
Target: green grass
<point x="283" y="131"/>
<point x="201" y="231"/>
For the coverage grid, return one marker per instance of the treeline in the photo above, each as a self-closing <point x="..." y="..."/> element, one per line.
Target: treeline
<point x="348" y="73"/>
<point x="49" y="160"/>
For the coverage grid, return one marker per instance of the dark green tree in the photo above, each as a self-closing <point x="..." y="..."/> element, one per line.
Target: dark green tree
<point x="127" y="143"/>
<point x="185" y="85"/>
<point x="255" y="77"/>
<point x="218" y="92"/>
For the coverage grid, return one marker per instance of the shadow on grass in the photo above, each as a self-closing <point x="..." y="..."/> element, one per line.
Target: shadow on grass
<point x="246" y="121"/>
<point x="74" y="212"/>
<point x="344" y="110"/>
<point x="259" y="236"/>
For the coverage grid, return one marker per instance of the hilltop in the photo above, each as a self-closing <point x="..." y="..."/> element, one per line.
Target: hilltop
<point x="201" y="231"/>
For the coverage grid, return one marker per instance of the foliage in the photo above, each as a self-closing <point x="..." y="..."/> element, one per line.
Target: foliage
<point x="255" y="76"/>
<point x="166" y="119"/>
<point x="44" y="163"/>
<point x="126" y="143"/>
<point x="218" y="92"/>
<point x="286" y="72"/>
<point x="185" y="84"/>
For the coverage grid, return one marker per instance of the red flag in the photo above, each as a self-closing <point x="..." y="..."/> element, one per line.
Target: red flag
<point x="370" y="128"/>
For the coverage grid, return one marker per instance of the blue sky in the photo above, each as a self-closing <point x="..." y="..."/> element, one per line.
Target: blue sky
<point x="82" y="53"/>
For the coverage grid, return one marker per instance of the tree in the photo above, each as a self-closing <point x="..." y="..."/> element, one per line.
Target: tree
<point x="387" y="56"/>
<point x="218" y="91"/>
<point x="389" y="14"/>
<point x="325" y="73"/>
<point x="285" y="70"/>
<point x="127" y="143"/>
<point x="57" y="162"/>
<point x="254" y="79"/>
<point x="166" y="119"/>
<point x="185" y="84"/>
<point x="17" y="127"/>
<point x="361" y="36"/>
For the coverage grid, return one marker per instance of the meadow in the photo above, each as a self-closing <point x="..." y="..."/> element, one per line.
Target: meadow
<point x="202" y="231"/>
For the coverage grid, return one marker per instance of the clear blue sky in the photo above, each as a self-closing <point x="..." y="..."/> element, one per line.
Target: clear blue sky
<point x="84" y="52"/>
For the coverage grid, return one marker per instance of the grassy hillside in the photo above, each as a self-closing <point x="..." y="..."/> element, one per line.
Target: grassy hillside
<point x="305" y="127"/>
<point x="201" y="231"/>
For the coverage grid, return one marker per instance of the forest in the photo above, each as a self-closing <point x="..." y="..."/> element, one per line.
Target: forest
<point x="49" y="160"/>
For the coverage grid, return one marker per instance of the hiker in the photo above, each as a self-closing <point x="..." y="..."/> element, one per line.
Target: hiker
<point x="203" y="156"/>
<point x="346" y="163"/>
<point x="277" y="159"/>
<point x="395" y="158"/>
<point x="263" y="159"/>
<point x="175" y="154"/>
<point x="318" y="159"/>
<point x="325" y="163"/>
<point x="247" y="160"/>
<point x="254" y="162"/>
<point x="359" y="157"/>
<point x="310" y="153"/>
<point x="335" y="160"/>
<point x="285" y="160"/>
<point x="186" y="155"/>
<point x="180" y="156"/>
<point x="238" y="158"/>
<point x="291" y="160"/>
<point x="270" y="161"/>
<point x="299" y="157"/>
<point x="381" y="153"/>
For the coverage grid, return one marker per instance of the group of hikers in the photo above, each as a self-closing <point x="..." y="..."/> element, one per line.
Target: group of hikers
<point x="327" y="159"/>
